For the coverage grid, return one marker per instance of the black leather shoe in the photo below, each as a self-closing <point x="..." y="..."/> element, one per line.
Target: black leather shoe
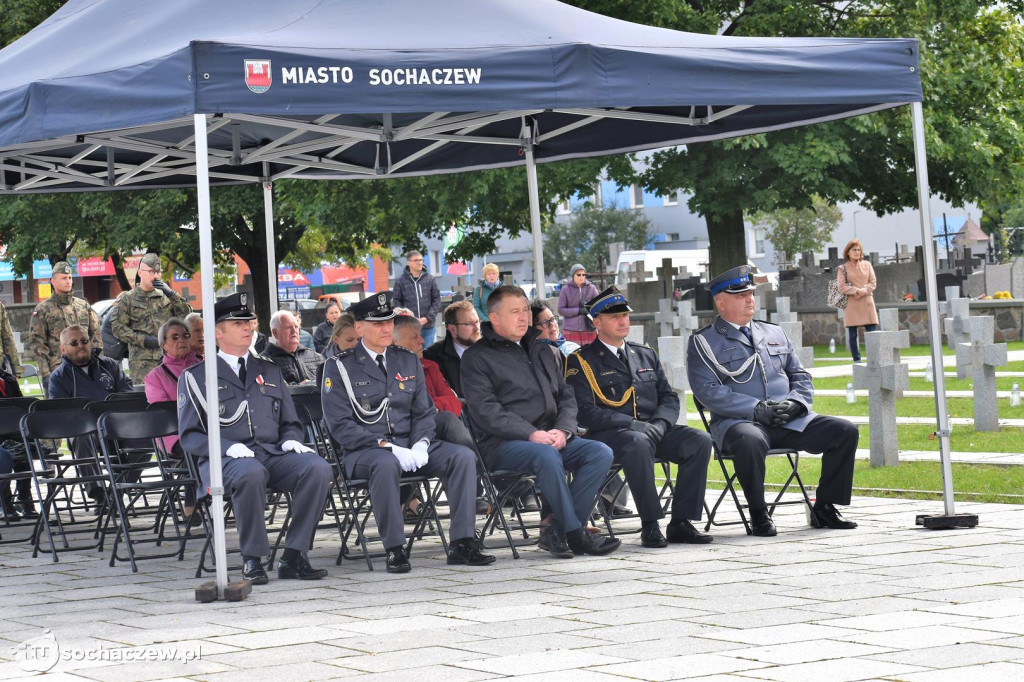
<point x="398" y="560"/>
<point x="9" y="514"/>
<point x="827" y="516"/>
<point x="27" y="509"/>
<point x="761" y="524"/>
<point x="651" y="537"/>
<point x="553" y="540"/>
<point x="253" y="571"/>
<point x="683" y="531"/>
<point x="482" y="507"/>
<point x="587" y="542"/>
<point x="298" y="568"/>
<point x="529" y="503"/>
<point x="466" y="552"/>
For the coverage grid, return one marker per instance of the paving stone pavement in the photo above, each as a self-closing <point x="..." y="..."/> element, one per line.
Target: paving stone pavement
<point x="886" y="601"/>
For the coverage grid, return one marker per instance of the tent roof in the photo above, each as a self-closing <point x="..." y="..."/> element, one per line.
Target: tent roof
<point x="101" y="95"/>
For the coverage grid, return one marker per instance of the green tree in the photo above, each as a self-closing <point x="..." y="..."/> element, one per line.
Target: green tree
<point x="971" y="58"/>
<point x="588" y="235"/>
<point x="795" y="230"/>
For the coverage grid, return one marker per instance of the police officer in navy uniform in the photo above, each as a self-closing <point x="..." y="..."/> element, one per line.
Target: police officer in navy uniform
<point x="626" y="402"/>
<point x="746" y="374"/>
<point x="376" y="403"/>
<point x="261" y="442"/>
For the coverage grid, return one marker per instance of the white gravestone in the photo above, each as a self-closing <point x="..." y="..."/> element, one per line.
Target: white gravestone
<point x="664" y="317"/>
<point x="672" y="352"/>
<point x="978" y="360"/>
<point x="883" y="376"/>
<point x="794" y="329"/>
<point x="956" y="325"/>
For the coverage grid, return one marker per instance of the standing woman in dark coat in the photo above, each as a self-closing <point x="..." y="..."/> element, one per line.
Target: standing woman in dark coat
<point x="572" y="306"/>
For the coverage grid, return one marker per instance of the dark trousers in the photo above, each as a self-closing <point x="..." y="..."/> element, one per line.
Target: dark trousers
<point x="306" y="475"/>
<point x="687" y="448"/>
<point x="834" y="439"/>
<point x="854" y="340"/>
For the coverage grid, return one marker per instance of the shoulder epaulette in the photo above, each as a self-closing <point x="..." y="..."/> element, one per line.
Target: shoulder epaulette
<point x="638" y="344"/>
<point x="704" y="328"/>
<point x="403" y="349"/>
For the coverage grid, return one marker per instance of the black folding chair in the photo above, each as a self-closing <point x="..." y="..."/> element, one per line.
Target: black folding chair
<point x="129" y="396"/>
<point x="122" y="435"/>
<point x="62" y="476"/>
<point x="55" y="404"/>
<point x="792" y="456"/>
<point x="10" y="420"/>
<point x="606" y="512"/>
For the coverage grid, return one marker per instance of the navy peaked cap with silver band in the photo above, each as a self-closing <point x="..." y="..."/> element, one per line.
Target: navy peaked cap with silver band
<point x="735" y="281"/>
<point x="373" y="308"/>
<point x="610" y="300"/>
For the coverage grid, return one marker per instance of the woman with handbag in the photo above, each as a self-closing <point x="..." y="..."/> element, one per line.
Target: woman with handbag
<point x="856" y="280"/>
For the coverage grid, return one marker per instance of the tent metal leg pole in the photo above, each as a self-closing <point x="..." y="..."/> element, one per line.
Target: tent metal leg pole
<point x="268" y="211"/>
<point x="934" y="335"/>
<point x="538" y="244"/>
<point x="210" y="352"/>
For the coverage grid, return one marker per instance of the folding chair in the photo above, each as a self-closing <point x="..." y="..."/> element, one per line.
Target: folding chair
<point x="606" y="512"/>
<point x="62" y="476"/>
<point x="130" y="396"/>
<point x="32" y="371"/>
<point x="10" y="420"/>
<point x="120" y="434"/>
<point x="792" y="455"/>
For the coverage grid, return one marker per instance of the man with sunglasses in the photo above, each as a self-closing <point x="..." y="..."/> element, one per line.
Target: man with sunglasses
<point x="140" y="313"/>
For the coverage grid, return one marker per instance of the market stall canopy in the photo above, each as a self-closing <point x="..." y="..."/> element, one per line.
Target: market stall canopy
<point x="101" y="95"/>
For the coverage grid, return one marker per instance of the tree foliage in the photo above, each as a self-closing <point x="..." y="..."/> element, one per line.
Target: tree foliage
<point x="588" y="235"/>
<point x="971" y="58"/>
<point x="796" y="230"/>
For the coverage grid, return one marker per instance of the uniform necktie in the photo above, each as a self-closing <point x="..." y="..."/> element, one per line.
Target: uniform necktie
<point x="241" y="370"/>
<point x="746" y="332"/>
<point x="622" y="356"/>
<point x="380" y="363"/>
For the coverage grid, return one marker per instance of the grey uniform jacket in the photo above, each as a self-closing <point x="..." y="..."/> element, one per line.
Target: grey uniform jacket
<point x="732" y="399"/>
<point x="266" y="421"/>
<point x="409" y="417"/>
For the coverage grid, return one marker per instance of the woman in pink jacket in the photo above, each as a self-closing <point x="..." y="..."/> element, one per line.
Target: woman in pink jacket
<point x="856" y="279"/>
<point x="162" y="381"/>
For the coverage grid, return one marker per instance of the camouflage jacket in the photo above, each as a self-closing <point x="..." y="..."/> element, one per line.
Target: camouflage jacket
<point x="140" y="314"/>
<point x="10" y="348"/>
<point x="53" y="316"/>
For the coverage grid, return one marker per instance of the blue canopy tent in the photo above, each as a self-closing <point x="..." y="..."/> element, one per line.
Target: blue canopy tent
<point x="131" y="94"/>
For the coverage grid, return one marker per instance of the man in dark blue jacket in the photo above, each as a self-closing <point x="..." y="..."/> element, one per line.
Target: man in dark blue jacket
<point x="416" y="290"/>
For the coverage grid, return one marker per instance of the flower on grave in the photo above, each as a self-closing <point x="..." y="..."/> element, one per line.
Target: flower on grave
<point x="677" y="294"/>
<point x="908" y="297"/>
<point x="1003" y="295"/>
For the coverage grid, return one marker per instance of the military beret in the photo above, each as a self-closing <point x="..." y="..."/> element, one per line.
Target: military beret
<point x="373" y="308"/>
<point x="735" y="281"/>
<point x="62" y="268"/>
<point x="151" y="261"/>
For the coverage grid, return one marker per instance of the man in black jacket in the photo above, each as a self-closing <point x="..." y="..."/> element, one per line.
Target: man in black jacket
<point x="524" y="411"/>
<point x="463" y="326"/>
<point x="416" y="290"/>
<point x="298" y="364"/>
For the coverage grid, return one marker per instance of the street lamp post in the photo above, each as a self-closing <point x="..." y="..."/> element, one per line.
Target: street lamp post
<point x="860" y="210"/>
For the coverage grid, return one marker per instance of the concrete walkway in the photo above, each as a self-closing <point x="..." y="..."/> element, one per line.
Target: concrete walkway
<point x="886" y="601"/>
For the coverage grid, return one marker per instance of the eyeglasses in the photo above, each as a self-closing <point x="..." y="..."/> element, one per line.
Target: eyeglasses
<point x="178" y="337"/>
<point x="579" y="274"/>
<point x="77" y="342"/>
<point x="548" y="323"/>
<point x="154" y="271"/>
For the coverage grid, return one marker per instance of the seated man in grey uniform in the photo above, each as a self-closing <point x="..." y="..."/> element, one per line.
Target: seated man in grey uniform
<point x="376" y="404"/>
<point x="746" y="374"/>
<point x="626" y="402"/>
<point x="261" y="444"/>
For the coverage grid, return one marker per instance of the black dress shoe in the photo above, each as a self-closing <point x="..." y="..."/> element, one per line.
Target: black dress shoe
<point x="761" y="524"/>
<point x="27" y="509"/>
<point x="651" y="537"/>
<point x="9" y="514"/>
<point x="827" y="516"/>
<point x="398" y="560"/>
<point x="483" y="508"/>
<point x="466" y="552"/>
<point x="298" y="568"/>
<point x="253" y="571"/>
<point x="529" y="503"/>
<point x="586" y="542"/>
<point x="553" y="540"/>
<point x="683" y="531"/>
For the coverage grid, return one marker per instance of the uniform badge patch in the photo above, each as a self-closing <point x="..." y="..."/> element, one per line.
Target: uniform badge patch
<point x="328" y="385"/>
<point x="181" y="400"/>
<point x="572" y="372"/>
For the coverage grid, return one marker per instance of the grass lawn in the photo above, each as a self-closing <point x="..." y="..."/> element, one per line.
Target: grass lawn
<point x="920" y="384"/>
<point x="821" y="352"/>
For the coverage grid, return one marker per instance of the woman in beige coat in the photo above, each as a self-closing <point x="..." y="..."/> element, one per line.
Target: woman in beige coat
<point x="856" y="279"/>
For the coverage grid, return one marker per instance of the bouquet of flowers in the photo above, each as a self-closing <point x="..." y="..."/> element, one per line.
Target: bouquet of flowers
<point x="909" y="297"/>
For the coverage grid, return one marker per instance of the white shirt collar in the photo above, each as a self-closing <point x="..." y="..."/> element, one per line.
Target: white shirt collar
<point x="373" y="355"/>
<point x="612" y="348"/>
<point x="232" y="360"/>
<point x="459" y="348"/>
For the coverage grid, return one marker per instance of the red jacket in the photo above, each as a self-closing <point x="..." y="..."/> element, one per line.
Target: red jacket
<point x="440" y="392"/>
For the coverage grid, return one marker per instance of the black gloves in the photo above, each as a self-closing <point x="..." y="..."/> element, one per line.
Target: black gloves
<point x="764" y="413"/>
<point x="788" y="410"/>
<point x="151" y="341"/>
<point x="164" y="287"/>
<point x="653" y="430"/>
<point x="771" y="413"/>
<point x="583" y="309"/>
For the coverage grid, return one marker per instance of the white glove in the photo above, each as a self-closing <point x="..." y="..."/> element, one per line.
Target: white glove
<point x="239" y="451"/>
<point x="419" y="451"/>
<point x="406" y="458"/>
<point x="294" y="446"/>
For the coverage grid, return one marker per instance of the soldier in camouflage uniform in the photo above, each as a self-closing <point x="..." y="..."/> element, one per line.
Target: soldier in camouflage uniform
<point x="53" y="316"/>
<point x="140" y="314"/>
<point x="10" y="348"/>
